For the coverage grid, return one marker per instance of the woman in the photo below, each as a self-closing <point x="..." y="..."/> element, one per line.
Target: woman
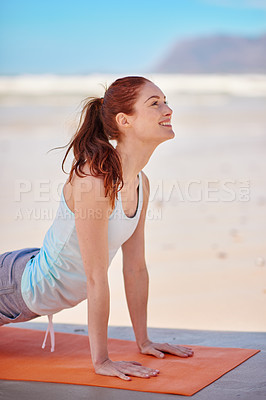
<point x="103" y="206"/>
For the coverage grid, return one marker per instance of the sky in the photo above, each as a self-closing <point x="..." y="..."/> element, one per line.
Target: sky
<point x="112" y="36"/>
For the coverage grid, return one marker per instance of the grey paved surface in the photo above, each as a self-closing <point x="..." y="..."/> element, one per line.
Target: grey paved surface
<point x="245" y="382"/>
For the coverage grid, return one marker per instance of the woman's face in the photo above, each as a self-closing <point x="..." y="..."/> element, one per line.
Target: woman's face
<point x="151" y="121"/>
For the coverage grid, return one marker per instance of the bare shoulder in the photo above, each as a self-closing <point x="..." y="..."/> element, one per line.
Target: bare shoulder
<point x="89" y="191"/>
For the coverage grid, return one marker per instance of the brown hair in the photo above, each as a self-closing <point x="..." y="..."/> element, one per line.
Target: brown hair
<point x="97" y="126"/>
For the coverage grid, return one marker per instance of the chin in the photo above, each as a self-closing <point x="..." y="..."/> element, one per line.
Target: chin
<point x="172" y="135"/>
<point x="159" y="138"/>
<point x="168" y="135"/>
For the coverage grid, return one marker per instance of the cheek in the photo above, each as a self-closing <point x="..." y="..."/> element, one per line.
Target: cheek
<point x="151" y="116"/>
<point x="142" y="120"/>
<point x="146" y="122"/>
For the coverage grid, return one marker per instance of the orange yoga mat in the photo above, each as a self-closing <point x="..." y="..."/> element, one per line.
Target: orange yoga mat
<point x="23" y="359"/>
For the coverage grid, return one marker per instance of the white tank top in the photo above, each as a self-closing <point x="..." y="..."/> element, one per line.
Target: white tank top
<point x="55" y="278"/>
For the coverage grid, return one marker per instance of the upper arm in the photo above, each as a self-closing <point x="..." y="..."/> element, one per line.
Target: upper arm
<point x="134" y="248"/>
<point x="91" y="209"/>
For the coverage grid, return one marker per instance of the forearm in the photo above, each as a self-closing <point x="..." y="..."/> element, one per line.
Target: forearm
<point x="98" y="315"/>
<point x="137" y="288"/>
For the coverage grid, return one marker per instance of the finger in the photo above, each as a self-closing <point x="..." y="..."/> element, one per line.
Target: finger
<point x="185" y="350"/>
<point x="113" y="372"/>
<point x="188" y="349"/>
<point x="181" y="352"/>
<point x="145" y="370"/>
<point x="134" y="362"/>
<point x="148" y="370"/>
<point x="139" y="373"/>
<point x="136" y="370"/>
<point x="151" y="372"/>
<point x="154" y="352"/>
<point x="128" y="363"/>
<point x="123" y="376"/>
<point x="167" y="348"/>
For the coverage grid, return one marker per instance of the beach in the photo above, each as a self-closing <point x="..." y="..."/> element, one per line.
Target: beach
<point x="205" y="227"/>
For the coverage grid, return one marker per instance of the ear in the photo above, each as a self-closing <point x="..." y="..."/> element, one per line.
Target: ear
<point x="121" y="120"/>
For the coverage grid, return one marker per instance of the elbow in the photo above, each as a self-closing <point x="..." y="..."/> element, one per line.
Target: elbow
<point x="96" y="281"/>
<point x="134" y="268"/>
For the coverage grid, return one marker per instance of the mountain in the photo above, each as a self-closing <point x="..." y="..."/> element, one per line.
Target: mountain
<point x="216" y="54"/>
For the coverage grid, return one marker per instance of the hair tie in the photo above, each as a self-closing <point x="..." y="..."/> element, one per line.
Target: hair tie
<point x="102" y="99"/>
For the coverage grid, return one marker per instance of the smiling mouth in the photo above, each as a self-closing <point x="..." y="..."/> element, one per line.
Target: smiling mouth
<point x="168" y="124"/>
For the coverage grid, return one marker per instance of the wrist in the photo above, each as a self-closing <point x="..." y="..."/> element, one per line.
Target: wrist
<point x="143" y="343"/>
<point x="100" y="362"/>
<point x="141" y="336"/>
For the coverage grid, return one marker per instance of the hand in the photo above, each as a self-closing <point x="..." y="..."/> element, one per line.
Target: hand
<point x="158" y="349"/>
<point x="123" y="368"/>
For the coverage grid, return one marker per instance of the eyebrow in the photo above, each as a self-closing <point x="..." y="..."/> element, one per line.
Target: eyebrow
<point x="156" y="97"/>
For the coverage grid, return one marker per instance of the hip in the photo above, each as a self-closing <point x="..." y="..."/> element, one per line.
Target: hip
<point x="12" y="305"/>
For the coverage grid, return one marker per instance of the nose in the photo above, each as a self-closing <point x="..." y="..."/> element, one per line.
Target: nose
<point x="168" y="111"/>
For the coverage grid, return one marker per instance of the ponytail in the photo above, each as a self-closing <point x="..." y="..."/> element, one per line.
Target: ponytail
<point x="91" y="145"/>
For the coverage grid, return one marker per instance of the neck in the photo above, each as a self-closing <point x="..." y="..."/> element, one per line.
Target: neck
<point x="134" y="157"/>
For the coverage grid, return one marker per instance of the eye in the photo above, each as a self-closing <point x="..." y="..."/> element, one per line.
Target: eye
<point x="155" y="103"/>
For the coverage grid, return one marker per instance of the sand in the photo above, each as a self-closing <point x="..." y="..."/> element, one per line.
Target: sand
<point x="205" y="228"/>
